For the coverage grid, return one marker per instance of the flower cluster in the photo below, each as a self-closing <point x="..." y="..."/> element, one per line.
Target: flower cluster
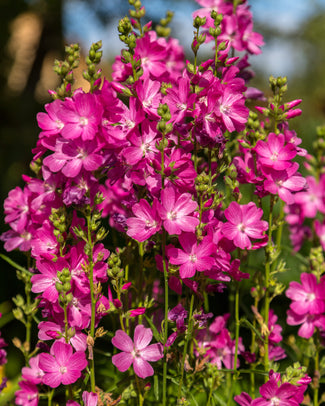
<point x="137" y="219"/>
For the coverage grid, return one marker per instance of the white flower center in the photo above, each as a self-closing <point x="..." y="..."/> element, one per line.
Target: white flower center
<point x="275" y="401"/>
<point x="63" y="370"/>
<point x="311" y="296"/>
<point x="274" y="156"/>
<point x="59" y="124"/>
<point x="241" y="227"/>
<point x="151" y="224"/>
<point x="193" y="258"/>
<point x="172" y="215"/>
<point x="83" y="121"/>
<point x="225" y="109"/>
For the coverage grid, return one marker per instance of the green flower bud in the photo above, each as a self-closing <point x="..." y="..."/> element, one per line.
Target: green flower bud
<point x="18" y="314"/>
<point x="66" y="287"/>
<point x="58" y="287"/>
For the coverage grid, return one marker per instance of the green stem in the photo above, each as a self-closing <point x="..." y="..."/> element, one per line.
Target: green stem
<point x="267" y="289"/>
<point x="237" y="325"/>
<point x="187" y="338"/>
<point x="166" y="317"/>
<point x="316" y="376"/>
<point x="93" y="302"/>
<point x="49" y="397"/>
<point x="65" y="323"/>
<point x="216" y="56"/>
<point x="15" y="265"/>
<point x="210" y="393"/>
<point x="252" y="375"/>
<point x="279" y="233"/>
<point x="29" y="318"/>
<point x="139" y="391"/>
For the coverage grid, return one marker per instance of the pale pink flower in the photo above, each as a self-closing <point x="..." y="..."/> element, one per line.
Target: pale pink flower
<point x="137" y="353"/>
<point x="89" y="398"/>
<point x="312" y="200"/>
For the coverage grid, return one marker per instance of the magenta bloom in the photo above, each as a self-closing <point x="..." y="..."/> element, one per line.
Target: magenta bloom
<point x="272" y="394"/>
<point x="71" y="156"/>
<point x="308" y="297"/>
<point x="273" y="153"/>
<point x="244" y="223"/>
<point x="62" y="365"/>
<point x="193" y="257"/>
<point x="80" y="116"/>
<point x="33" y="374"/>
<point x="146" y="223"/>
<point x="232" y="110"/>
<point x="175" y="210"/>
<point x="27" y="395"/>
<point x="137" y="353"/>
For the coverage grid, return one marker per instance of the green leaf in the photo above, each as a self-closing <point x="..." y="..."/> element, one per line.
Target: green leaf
<point x="153" y="328"/>
<point x="218" y="399"/>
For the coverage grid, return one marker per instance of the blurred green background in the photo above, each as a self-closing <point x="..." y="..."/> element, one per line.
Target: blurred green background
<point x="33" y="33"/>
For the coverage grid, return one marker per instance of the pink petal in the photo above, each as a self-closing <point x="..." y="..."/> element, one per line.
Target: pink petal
<point x="122" y="361"/>
<point x="142" y="337"/>
<point x="142" y="368"/>
<point x="52" y="379"/>
<point x="153" y="352"/>
<point x="62" y="352"/>
<point x="122" y="341"/>
<point x="48" y="363"/>
<point x="70" y="377"/>
<point x="77" y="361"/>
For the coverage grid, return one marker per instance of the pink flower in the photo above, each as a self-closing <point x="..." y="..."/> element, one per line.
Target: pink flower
<point x="193" y="257"/>
<point x="307" y="321"/>
<point x="17" y="208"/>
<point x="45" y="281"/>
<point x="146" y="223"/>
<point x="273" y="153"/>
<point x="232" y="110"/>
<point x="137" y="353"/>
<point x="50" y="123"/>
<point x="308" y="297"/>
<point x="174" y="210"/>
<point x="312" y="200"/>
<point x="148" y="92"/>
<point x="90" y="398"/>
<point x="33" y="373"/>
<point x="284" y="183"/>
<point x="27" y="395"/>
<point x="71" y="156"/>
<point x="244" y="223"/>
<point x="143" y="145"/>
<point x="62" y="365"/>
<point x="273" y="394"/>
<point x="81" y="116"/>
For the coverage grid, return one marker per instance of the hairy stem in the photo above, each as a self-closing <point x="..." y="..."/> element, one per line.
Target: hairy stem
<point x="93" y="302"/>
<point x="187" y="339"/>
